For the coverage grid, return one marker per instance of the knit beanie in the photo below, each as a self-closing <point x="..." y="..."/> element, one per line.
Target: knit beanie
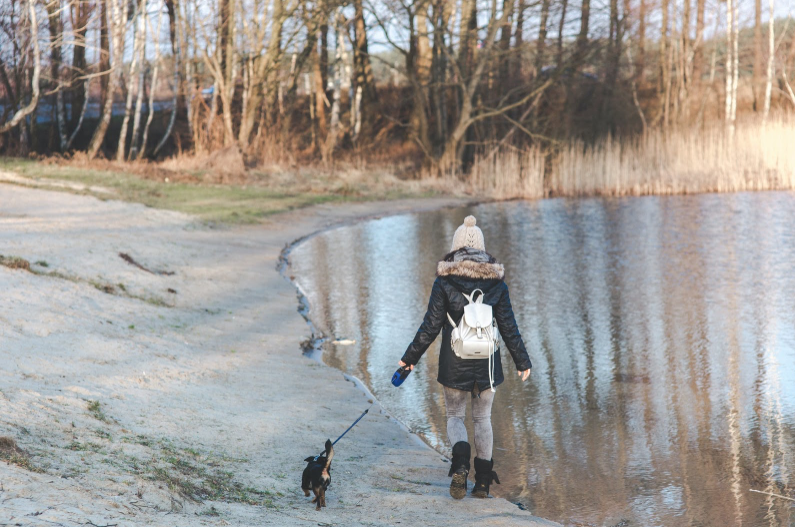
<point x="468" y="235"/>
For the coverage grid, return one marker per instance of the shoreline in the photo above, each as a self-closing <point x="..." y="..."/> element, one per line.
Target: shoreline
<point x="143" y="406"/>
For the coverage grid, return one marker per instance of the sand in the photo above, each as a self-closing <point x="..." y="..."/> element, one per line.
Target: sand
<point x="176" y="393"/>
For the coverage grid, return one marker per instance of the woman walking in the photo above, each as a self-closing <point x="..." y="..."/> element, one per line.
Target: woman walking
<point x="467" y="268"/>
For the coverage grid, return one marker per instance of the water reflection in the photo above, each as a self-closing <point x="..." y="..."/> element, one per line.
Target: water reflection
<point x="661" y="333"/>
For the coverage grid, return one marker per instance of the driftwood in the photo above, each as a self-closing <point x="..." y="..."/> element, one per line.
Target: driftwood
<point x="130" y="260"/>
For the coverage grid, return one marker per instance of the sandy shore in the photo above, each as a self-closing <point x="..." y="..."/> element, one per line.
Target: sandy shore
<point x="142" y="397"/>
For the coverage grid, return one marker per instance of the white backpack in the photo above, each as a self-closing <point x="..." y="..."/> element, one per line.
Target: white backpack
<point x="475" y="336"/>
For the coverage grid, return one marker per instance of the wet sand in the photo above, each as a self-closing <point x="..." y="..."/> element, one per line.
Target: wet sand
<point x="148" y="398"/>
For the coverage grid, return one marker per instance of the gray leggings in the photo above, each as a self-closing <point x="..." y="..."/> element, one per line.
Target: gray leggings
<point x="456" y="403"/>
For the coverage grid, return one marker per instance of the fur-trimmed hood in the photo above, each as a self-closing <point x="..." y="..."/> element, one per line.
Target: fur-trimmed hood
<point x="471" y="263"/>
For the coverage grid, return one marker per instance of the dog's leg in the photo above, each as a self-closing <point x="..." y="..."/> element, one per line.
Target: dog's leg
<point x="322" y="496"/>
<point x="318" y="497"/>
<point x="306" y="492"/>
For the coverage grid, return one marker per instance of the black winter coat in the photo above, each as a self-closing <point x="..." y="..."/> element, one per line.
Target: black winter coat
<point x="463" y="271"/>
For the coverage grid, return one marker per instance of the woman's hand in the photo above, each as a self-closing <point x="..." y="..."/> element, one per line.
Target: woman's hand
<point x="411" y="368"/>
<point x="524" y="374"/>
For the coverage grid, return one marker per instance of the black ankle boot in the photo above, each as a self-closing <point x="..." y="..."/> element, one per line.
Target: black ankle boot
<point x="484" y="476"/>
<point x="459" y="469"/>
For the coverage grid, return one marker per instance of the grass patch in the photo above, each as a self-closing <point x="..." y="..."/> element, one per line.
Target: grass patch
<point x="95" y="409"/>
<point x="212" y="511"/>
<point x="84" y="447"/>
<point x="14" y="262"/>
<point x="213" y="203"/>
<point x="12" y="454"/>
<point x="193" y="474"/>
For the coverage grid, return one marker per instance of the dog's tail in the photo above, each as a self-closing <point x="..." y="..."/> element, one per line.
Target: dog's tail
<point x="329" y="453"/>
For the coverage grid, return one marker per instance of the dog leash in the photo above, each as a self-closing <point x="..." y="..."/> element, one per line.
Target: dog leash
<point x="346" y="431"/>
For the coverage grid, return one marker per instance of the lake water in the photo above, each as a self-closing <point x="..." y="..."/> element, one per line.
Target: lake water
<point x="662" y="335"/>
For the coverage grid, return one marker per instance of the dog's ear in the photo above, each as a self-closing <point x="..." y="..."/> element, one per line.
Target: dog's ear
<point x="310" y="458"/>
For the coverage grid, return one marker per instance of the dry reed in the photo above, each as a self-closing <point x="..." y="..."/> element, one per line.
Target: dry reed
<point x="756" y="157"/>
<point x="509" y="173"/>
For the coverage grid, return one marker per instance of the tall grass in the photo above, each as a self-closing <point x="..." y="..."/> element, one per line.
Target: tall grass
<point x="510" y="173"/>
<point x="755" y="157"/>
<point x="679" y="161"/>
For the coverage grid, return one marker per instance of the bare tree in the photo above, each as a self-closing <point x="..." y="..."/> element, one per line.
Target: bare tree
<point x="117" y="32"/>
<point x="153" y="88"/>
<point x="771" y="48"/>
<point x="34" y="100"/>
<point x="365" y="84"/>
<point x="339" y="66"/>
<point x="729" y="64"/>
<point x="55" y="24"/>
<point x="138" y="40"/>
<point x="81" y="11"/>
<point x="144" y="24"/>
<point x="757" y="73"/>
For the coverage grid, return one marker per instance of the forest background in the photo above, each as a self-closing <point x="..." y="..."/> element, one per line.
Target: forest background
<point x="312" y="100"/>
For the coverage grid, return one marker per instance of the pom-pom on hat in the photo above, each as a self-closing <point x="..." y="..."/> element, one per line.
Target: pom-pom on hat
<point x="468" y="235"/>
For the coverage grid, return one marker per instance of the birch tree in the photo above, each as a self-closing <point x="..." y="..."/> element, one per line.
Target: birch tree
<point x="30" y="107"/>
<point x="339" y="66"/>
<point x="117" y="32"/>
<point x="144" y="27"/>
<point x="771" y="57"/>
<point x="55" y="24"/>
<point x="178" y="43"/>
<point x="139" y="37"/>
<point x="153" y="88"/>
<point x="729" y="65"/>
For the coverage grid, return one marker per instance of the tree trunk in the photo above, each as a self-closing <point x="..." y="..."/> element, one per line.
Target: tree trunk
<point x="227" y="64"/>
<point x="771" y="57"/>
<point x="735" y="59"/>
<point x="151" y="112"/>
<point x="519" y="41"/>
<point x="172" y="7"/>
<point x="55" y="25"/>
<point x="104" y="53"/>
<point x="418" y="66"/>
<point x="176" y="50"/>
<point x="561" y="26"/>
<point x="141" y="79"/>
<point x="729" y="65"/>
<point x="265" y="76"/>
<point x="137" y="42"/>
<point x="640" y="66"/>
<point x="505" y="80"/>
<point x="81" y="14"/>
<point x="664" y="80"/>
<point x="698" y="54"/>
<point x="364" y="74"/>
<point x="469" y="19"/>
<point x="542" y="36"/>
<point x="323" y="64"/>
<point x="116" y="26"/>
<point x="30" y="107"/>
<point x="331" y="139"/>
<point x="757" y="75"/>
<point x="439" y="73"/>
<point x="613" y="62"/>
<point x="320" y="97"/>
<point x="582" y="37"/>
<point x="79" y="124"/>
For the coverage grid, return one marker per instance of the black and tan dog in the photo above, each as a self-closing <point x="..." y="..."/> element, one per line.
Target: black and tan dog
<point x="316" y="475"/>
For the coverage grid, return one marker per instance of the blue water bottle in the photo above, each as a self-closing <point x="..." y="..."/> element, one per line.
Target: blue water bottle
<point x="400" y="375"/>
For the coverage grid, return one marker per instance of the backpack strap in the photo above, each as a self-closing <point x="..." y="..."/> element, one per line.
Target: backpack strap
<point x="472" y="296"/>
<point x="452" y="323"/>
